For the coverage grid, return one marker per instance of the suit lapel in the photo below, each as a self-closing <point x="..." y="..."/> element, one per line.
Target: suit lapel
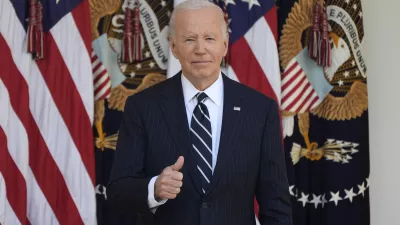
<point x="173" y="108"/>
<point x="230" y="118"/>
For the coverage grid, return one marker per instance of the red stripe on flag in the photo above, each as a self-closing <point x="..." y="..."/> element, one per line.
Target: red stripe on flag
<point x="15" y="182"/>
<point x="94" y="58"/>
<point x="99" y="76"/>
<point x="97" y="66"/>
<point x="286" y="73"/>
<point x="294" y="89"/>
<point x="312" y="103"/>
<point x="81" y="15"/>
<point x="286" y="85"/>
<point x="289" y="108"/>
<point x="272" y="20"/>
<point x="102" y="85"/>
<point x="47" y="174"/>
<point x="249" y="73"/>
<point x="105" y="94"/>
<point x="69" y="103"/>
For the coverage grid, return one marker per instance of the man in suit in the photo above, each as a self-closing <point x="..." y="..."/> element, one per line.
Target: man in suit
<point x="196" y="148"/>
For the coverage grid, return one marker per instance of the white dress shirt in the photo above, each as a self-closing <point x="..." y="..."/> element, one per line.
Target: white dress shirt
<point x="214" y="103"/>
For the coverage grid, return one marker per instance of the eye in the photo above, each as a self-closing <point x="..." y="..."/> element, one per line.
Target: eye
<point x="210" y="39"/>
<point x="189" y="40"/>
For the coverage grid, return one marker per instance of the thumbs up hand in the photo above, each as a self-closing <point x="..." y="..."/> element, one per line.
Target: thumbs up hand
<point x="168" y="184"/>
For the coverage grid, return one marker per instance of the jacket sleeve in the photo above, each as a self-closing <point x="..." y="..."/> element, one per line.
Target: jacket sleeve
<point x="272" y="191"/>
<point x="128" y="185"/>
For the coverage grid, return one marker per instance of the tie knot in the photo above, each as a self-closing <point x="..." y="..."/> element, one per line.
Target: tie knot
<point x="201" y="96"/>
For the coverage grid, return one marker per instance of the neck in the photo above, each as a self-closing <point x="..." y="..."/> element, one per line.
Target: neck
<point x="202" y="83"/>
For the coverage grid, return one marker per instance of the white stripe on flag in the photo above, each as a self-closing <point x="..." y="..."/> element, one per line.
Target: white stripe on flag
<point x="297" y="78"/>
<point x="18" y="148"/>
<point x="266" y="53"/>
<point x="295" y="94"/>
<point x="302" y="99"/>
<point x="290" y="75"/>
<point x="7" y="215"/>
<point x="72" y="48"/>
<point x="2" y="199"/>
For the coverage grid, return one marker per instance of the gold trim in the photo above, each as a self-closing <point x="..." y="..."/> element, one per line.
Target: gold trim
<point x="348" y="107"/>
<point x="120" y="93"/>
<point x="99" y="9"/>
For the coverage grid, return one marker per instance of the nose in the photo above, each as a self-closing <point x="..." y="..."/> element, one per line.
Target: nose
<point x="200" y="48"/>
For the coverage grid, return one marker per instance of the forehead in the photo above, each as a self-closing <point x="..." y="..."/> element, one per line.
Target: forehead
<point x="198" y="21"/>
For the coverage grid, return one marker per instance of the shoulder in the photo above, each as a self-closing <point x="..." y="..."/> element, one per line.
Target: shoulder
<point x="252" y="97"/>
<point x="151" y="94"/>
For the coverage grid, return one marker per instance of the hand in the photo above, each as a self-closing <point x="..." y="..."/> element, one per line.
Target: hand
<point x="168" y="184"/>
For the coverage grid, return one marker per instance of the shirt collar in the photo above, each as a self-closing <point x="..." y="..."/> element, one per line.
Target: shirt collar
<point x="214" y="92"/>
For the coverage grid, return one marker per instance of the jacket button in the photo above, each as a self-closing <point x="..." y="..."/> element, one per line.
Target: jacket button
<point x="204" y="205"/>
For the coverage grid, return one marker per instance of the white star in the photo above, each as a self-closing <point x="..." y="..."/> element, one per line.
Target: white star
<point x="303" y="199"/>
<point x="147" y="54"/>
<point x="353" y="151"/>
<point x="291" y="190"/>
<point x="353" y="63"/>
<point x="362" y="189"/>
<point x="349" y="157"/>
<point x="163" y="3"/>
<point x="349" y="194"/>
<point x="151" y="64"/>
<point x="138" y="65"/>
<point x="57" y="1"/>
<point x="251" y="3"/>
<point x="346" y="74"/>
<point x="132" y="74"/>
<point x="324" y="201"/>
<point x="360" y="14"/>
<point x="123" y="67"/>
<point x="355" y="7"/>
<point x="331" y="140"/>
<point x="347" y="1"/>
<point x="169" y="13"/>
<point x="343" y="151"/>
<point x="368" y="180"/>
<point x="316" y="200"/>
<point x="229" y="23"/>
<point x="335" y="198"/>
<point x="227" y="2"/>
<point x="340" y="82"/>
<point x="357" y="72"/>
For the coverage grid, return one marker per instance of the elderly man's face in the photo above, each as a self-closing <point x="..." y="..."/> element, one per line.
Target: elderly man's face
<point x="198" y="42"/>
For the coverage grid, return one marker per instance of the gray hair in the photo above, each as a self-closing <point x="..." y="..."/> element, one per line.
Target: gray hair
<point x="193" y="5"/>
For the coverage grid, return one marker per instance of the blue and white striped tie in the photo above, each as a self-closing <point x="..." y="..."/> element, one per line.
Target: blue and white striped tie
<point x="200" y="132"/>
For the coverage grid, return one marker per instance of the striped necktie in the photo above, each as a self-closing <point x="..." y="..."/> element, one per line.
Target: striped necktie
<point x="200" y="132"/>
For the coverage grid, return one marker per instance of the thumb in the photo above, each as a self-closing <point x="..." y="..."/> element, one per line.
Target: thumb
<point x="179" y="164"/>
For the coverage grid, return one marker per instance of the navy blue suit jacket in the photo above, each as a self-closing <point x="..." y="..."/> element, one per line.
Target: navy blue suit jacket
<point x="154" y="132"/>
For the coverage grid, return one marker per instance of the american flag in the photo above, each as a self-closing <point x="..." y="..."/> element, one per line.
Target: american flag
<point x="46" y="110"/>
<point x="253" y="33"/>
<point x="101" y="79"/>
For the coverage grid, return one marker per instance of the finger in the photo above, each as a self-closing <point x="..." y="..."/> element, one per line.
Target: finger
<point x="179" y="164"/>
<point x="166" y="195"/>
<point x="175" y="183"/>
<point x="172" y="190"/>
<point x="178" y="176"/>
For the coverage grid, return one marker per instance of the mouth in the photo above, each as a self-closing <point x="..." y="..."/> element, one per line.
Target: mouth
<point x="200" y="62"/>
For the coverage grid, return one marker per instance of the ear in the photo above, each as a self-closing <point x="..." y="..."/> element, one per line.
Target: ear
<point x="172" y="45"/>
<point x="226" y="44"/>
